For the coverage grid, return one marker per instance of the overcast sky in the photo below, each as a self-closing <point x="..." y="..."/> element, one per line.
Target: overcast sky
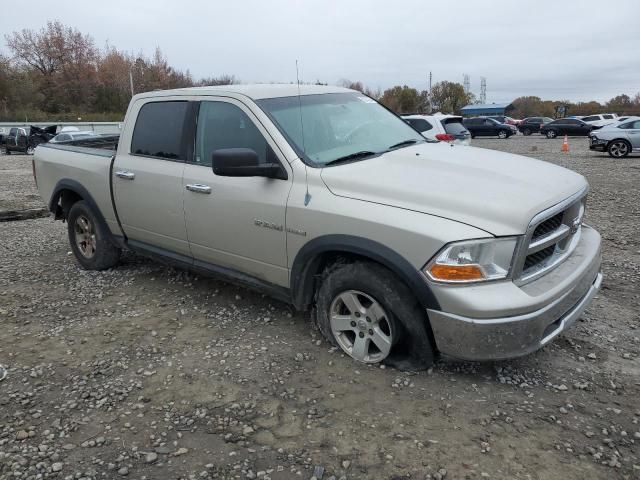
<point x="575" y="50"/>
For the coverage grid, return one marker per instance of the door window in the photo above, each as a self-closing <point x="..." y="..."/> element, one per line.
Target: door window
<point x="592" y="118"/>
<point x="419" y="124"/>
<point x="159" y="130"/>
<point x="224" y="125"/>
<point x="630" y="125"/>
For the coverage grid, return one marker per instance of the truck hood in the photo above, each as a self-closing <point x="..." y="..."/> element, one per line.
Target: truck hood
<point x="494" y="191"/>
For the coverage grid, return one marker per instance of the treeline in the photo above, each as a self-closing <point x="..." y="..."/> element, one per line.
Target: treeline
<point x="535" y="106"/>
<point x="59" y="73"/>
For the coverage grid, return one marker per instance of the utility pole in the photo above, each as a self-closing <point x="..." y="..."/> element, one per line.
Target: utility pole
<point x="131" y="82"/>
<point x="466" y="83"/>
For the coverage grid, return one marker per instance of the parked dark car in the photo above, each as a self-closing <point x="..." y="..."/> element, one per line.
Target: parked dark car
<point x="26" y="139"/>
<point x="488" y="127"/>
<point x="533" y="124"/>
<point x="566" y="126"/>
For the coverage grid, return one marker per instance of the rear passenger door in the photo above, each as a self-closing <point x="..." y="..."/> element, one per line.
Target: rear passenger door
<point x="147" y="176"/>
<point x="237" y="223"/>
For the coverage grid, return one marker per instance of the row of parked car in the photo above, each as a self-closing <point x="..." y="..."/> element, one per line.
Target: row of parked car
<point x="619" y="137"/>
<point x="26" y="139"/>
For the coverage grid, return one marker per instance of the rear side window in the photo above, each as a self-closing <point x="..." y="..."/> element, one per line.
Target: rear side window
<point x="607" y="117"/>
<point x="592" y="118"/>
<point x="224" y="125"/>
<point x="159" y="130"/>
<point x="453" y="127"/>
<point x="420" y="124"/>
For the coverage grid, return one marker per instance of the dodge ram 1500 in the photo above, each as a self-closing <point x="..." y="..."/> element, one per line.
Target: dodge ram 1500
<point x="400" y="247"/>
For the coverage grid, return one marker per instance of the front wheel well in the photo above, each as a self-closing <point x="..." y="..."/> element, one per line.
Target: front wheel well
<point x="619" y="140"/>
<point x="322" y="253"/>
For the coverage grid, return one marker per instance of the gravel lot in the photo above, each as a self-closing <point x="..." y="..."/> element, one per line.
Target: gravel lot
<point x="150" y="372"/>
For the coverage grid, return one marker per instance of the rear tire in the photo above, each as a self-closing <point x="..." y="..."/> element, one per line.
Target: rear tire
<point x="551" y="134"/>
<point x="369" y="313"/>
<point x="619" y="149"/>
<point x="89" y="239"/>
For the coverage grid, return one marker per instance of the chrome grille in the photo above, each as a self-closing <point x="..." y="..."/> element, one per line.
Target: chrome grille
<point x="551" y="237"/>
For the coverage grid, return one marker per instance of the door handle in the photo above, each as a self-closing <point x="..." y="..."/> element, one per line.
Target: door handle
<point x="126" y="175"/>
<point x="199" y="188"/>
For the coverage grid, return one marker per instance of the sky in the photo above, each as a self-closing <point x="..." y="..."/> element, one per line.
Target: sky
<point x="576" y="50"/>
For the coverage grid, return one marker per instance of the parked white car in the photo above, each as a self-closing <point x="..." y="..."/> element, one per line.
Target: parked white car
<point x="600" y="120"/>
<point x="444" y="128"/>
<point x="618" y="139"/>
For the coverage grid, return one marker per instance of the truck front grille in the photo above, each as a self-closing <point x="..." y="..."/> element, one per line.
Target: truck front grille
<point x="548" y="226"/>
<point x="551" y="237"/>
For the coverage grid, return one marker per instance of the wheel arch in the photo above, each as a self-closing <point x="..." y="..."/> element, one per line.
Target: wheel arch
<point x="67" y="192"/>
<point x="321" y="252"/>
<point x="619" y="139"/>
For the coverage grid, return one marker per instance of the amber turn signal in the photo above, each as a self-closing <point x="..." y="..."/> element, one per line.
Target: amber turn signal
<point x="456" y="273"/>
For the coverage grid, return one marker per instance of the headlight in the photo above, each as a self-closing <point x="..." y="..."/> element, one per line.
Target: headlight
<point x="473" y="261"/>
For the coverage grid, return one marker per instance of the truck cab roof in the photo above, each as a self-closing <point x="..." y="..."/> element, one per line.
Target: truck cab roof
<point x="253" y="91"/>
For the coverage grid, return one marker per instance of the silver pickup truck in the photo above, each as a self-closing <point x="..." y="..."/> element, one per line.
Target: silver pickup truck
<point x="401" y="248"/>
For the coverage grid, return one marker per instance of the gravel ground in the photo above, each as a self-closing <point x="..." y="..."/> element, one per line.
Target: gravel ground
<point x="149" y="372"/>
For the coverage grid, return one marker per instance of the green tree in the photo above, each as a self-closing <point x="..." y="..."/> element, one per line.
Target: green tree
<point x="449" y="97"/>
<point x="402" y="99"/>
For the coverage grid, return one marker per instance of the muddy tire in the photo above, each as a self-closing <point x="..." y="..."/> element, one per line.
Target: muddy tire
<point x="369" y="313"/>
<point x="89" y="239"/>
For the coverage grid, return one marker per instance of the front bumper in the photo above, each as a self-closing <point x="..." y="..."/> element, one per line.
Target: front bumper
<point x="597" y="144"/>
<point x="503" y="320"/>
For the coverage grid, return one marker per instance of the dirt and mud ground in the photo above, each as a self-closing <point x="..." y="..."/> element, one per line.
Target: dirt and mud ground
<point x="149" y="372"/>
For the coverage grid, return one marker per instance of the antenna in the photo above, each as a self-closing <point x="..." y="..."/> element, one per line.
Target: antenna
<point x="467" y="83"/>
<point x="483" y="90"/>
<point x="307" y="196"/>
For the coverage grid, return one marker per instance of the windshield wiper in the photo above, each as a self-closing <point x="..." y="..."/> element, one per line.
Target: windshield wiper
<point x="351" y="156"/>
<point x="404" y="143"/>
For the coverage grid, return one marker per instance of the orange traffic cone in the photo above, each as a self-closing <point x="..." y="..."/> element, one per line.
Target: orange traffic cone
<point x="565" y="145"/>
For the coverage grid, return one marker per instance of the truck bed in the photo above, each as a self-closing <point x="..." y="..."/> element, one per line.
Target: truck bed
<point x="72" y="163"/>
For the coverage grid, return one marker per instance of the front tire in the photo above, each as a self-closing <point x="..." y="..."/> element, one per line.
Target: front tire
<point x="89" y="239"/>
<point x="369" y="313"/>
<point x="618" y="149"/>
<point x="552" y="134"/>
<point x="503" y="134"/>
<point x="526" y="132"/>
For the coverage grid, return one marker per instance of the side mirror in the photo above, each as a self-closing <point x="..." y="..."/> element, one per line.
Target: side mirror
<point x="244" y="162"/>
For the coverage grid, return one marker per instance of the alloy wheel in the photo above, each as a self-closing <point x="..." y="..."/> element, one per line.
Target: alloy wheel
<point x="85" y="236"/>
<point x="619" y="149"/>
<point x="361" y="326"/>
